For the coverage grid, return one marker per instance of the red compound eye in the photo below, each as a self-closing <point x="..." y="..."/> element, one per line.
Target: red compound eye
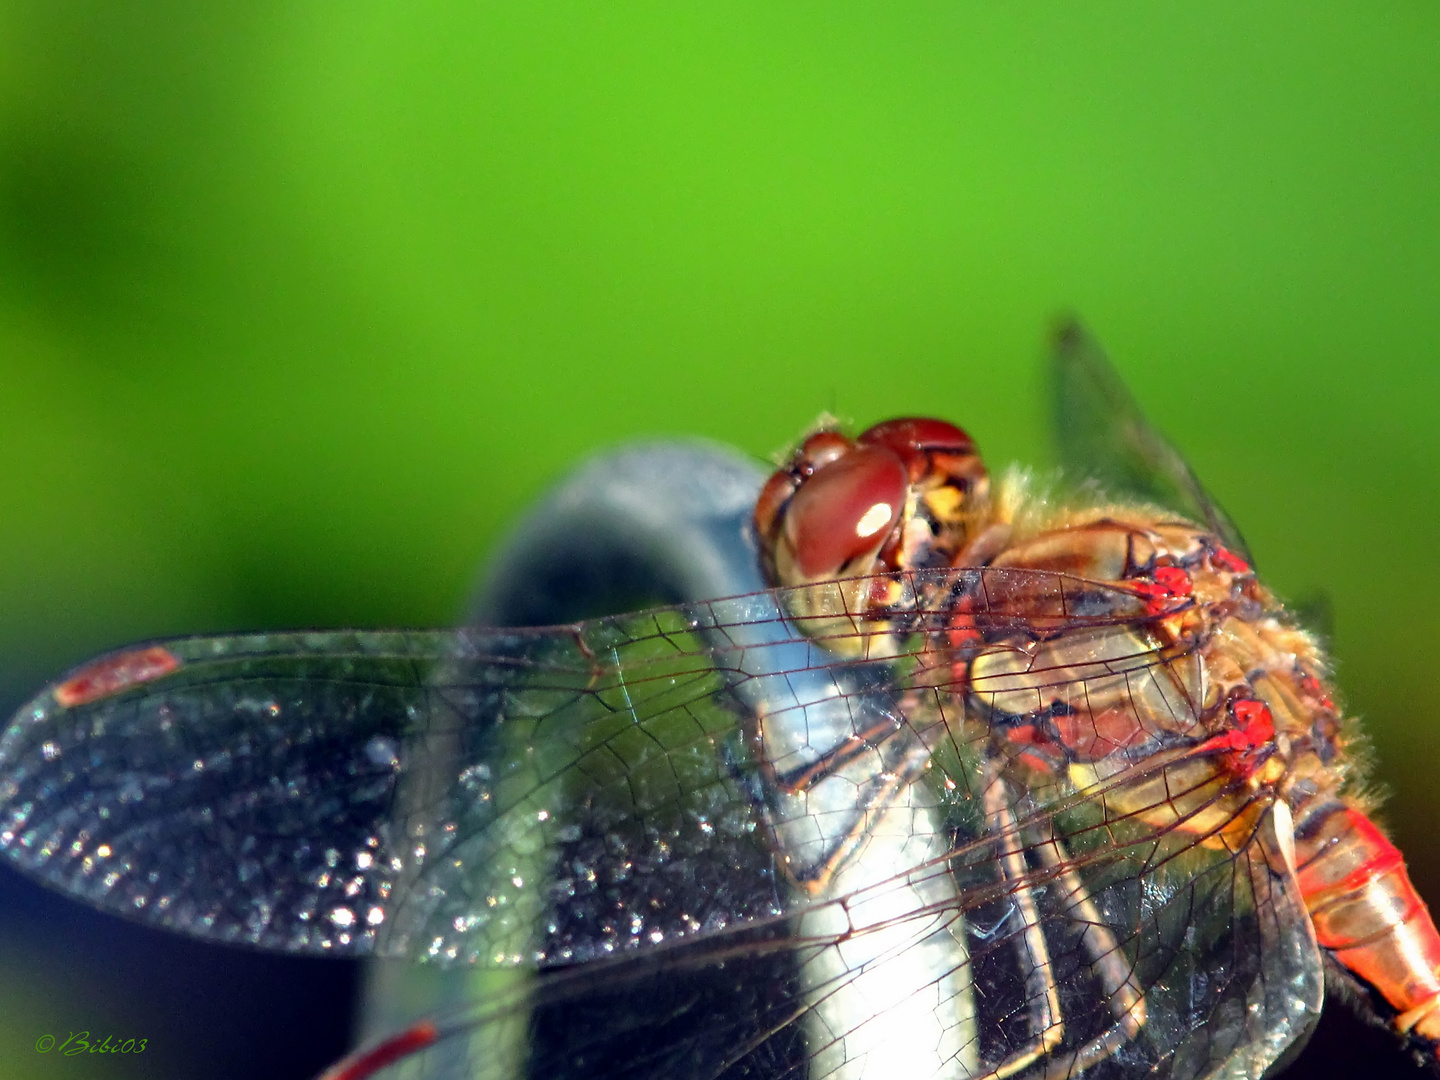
<point x="774" y="496"/>
<point x="917" y="433"/>
<point x="845" y="510"/>
<point x="817" y="451"/>
<point x="914" y="438"/>
<point x="820" y="450"/>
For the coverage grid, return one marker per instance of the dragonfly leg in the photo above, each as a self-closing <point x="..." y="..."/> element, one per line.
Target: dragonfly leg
<point x="816" y="880"/>
<point x="1115" y="971"/>
<point x="1117" y="976"/>
<point x="1047" y="1027"/>
<point x="885" y="778"/>
<point x="829" y="763"/>
<point x="883" y="949"/>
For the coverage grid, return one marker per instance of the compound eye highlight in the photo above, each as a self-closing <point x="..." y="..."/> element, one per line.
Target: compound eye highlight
<point x="845" y="512"/>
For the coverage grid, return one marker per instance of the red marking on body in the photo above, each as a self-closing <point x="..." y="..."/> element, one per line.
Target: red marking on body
<point x="1311" y="686"/>
<point x="1171" y="583"/>
<point x="368" y="1062"/>
<point x="1228" y="560"/>
<point x="1093" y="737"/>
<point x="1036" y="749"/>
<point x="962" y="633"/>
<point x="1036" y="762"/>
<point x="1368" y="855"/>
<point x="1254" y="720"/>
<point x="1175" y="580"/>
<point x="1368" y="915"/>
<point x="1245" y="745"/>
<point x="1079" y="736"/>
<point x="114" y="674"/>
<point x="964" y="639"/>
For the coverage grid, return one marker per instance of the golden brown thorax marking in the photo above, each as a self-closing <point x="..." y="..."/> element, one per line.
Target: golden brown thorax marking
<point x="1234" y="641"/>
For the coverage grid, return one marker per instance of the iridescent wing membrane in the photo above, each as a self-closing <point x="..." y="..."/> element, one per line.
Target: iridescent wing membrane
<point x="590" y="809"/>
<point x="1103" y="437"/>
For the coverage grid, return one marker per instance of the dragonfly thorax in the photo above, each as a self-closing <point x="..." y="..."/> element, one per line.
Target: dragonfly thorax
<point x="1240" y="692"/>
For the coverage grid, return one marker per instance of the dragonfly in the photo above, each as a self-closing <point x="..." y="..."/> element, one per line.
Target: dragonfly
<point x="963" y="776"/>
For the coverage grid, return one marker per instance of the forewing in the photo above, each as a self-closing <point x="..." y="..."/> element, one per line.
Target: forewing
<point x="401" y="792"/>
<point x="1103" y="436"/>
<point x="368" y="792"/>
<point x="575" y="817"/>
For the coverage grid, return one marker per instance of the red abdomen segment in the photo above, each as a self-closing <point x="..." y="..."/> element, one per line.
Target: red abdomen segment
<point x="1368" y="915"/>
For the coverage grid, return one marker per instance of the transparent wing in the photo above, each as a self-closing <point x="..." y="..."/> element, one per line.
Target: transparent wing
<point x="380" y="791"/>
<point x="1216" y="944"/>
<point x="589" y="818"/>
<point x="370" y="792"/>
<point x="1103" y="436"/>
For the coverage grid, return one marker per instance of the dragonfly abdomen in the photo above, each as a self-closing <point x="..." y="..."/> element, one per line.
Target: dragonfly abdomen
<point x="1367" y="913"/>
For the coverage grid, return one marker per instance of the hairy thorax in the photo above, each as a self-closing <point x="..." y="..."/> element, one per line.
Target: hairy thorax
<point x="1240" y="695"/>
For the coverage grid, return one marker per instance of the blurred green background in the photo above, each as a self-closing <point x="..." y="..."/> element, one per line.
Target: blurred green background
<point x="301" y="303"/>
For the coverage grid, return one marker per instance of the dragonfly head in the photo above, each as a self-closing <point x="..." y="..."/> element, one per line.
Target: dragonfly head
<point x="904" y="494"/>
